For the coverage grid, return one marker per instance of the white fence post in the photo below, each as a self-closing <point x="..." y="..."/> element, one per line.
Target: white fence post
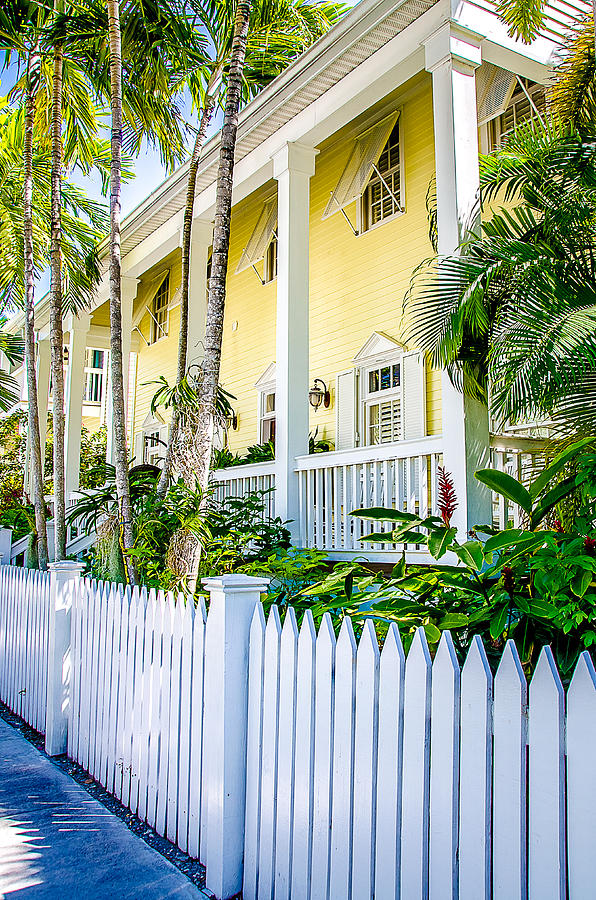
<point x="5" y="545"/>
<point x="64" y="577"/>
<point x="233" y="601"/>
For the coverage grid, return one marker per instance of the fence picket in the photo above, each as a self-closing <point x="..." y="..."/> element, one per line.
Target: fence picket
<point x="269" y="755"/>
<point x="174" y="737"/>
<point x="141" y="763"/>
<point x="324" y="704"/>
<point x="111" y="754"/>
<point x="196" y="731"/>
<point x="342" y="801"/>
<point x="365" y="762"/>
<point x="284" y="814"/>
<point x="253" y="752"/>
<point x="185" y="719"/>
<point x="304" y="759"/>
<point x="164" y="716"/>
<point x="389" y="770"/>
<point x="475" y="782"/>
<point x="546" y="782"/>
<point x="509" y="778"/>
<point x="444" y="771"/>
<point x="581" y="779"/>
<point x="154" y="713"/>
<point x="415" y="784"/>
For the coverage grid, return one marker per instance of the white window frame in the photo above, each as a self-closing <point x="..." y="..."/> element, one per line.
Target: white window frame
<point x="94" y="374"/>
<point x="362" y="214"/>
<point x="265" y="385"/>
<point x="368" y="399"/>
<point x="156" y="327"/>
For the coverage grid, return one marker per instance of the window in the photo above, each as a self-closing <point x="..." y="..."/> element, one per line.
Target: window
<point x="262" y="244"/>
<point x="267" y="417"/>
<point x="382" y="399"/>
<point x="527" y="103"/>
<point x="159" y="311"/>
<point x="94" y="375"/>
<point x="373" y="176"/>
<point x="382" y="197"/>
<point x="153" y="449"/>
<point x="382" y="404"/>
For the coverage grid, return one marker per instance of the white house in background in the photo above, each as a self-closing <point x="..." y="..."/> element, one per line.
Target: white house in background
<point x="334" y="160"/>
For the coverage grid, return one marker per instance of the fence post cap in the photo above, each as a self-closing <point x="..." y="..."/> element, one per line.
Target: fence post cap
<point x="67" y="565"/>
<point x="236" y="583"/>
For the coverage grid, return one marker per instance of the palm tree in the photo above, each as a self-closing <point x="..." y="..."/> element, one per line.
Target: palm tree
<point x="513" y="314"/>
<point x="56" y="333"/>
<point x="33" y="68"/>
<point x="278" y="33"/>
<point x="221" y="244"/>
<point x="117" y="376"/>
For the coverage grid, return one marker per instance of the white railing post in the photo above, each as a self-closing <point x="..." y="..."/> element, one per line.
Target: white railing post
<point x="64" y="577"/>
<point x="233" y="599"/>
<point x="5" y="545"/>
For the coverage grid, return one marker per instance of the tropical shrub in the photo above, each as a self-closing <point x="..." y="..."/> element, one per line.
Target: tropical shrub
<point x="535" y="584"/>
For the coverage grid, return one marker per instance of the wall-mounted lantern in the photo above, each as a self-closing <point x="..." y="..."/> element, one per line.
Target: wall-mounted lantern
<point x="319" y="394"/>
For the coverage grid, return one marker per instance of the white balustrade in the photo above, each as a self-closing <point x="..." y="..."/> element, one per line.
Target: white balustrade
<point x="395" y="476"/>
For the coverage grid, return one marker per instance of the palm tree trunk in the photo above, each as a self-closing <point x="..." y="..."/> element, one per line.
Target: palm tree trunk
<point x="203" y="443"/>
<point x="33" y="73"/>
<point x="207" y="113"/>
<point x="221" y="245"/>
<point x="56" y="335"/>
<point x="117" y="378"/>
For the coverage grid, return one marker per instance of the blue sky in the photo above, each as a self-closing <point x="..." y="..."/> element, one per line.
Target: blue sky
<point x="149" y="172"/>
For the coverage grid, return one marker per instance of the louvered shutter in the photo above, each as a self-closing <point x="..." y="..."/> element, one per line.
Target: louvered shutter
<point x="494" y="89"/>
<point x="414" y="395"/>
<point x="139" y="440"/>
<point x="364" y="156"/>
<point x="261" y="237"/>
<point x="345" y="405"/>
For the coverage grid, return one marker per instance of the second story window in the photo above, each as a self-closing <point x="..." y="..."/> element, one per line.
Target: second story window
<point x="372" y="178"/>
<point x="382" y="197"/>
<point x="262" y="245"/>
<point x="159" y="310"/>
<point x="528" y="103"/>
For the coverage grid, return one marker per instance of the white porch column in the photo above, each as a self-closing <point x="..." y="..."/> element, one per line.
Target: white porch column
<point x="77" y="328"/>
<point x="293" y="167"/>
<point x="201" y="240"/>
<point x="452" y="55"/>
<point x="127" y="296"/>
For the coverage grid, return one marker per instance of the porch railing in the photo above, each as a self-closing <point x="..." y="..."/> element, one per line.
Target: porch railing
<point x="522" y="458"/>
<point x="237" y="481"/>
<point x="398" y="476"/>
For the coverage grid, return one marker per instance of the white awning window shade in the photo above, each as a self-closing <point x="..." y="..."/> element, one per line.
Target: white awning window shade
<point x="494" y="89"/>
<point x="359" y="168"/>
<point x="261" y="237"/>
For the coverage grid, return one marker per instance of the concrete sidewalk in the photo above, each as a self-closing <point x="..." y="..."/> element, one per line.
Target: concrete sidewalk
<point x="58" y="843"/>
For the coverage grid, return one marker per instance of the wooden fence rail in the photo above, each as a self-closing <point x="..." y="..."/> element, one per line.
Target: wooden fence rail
<point x="297" y="764"/>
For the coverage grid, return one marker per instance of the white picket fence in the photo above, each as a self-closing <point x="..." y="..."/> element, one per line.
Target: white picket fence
<point x="136" y="709"/>
<point x="297" y="765"/>
<point x="24" y="607"/>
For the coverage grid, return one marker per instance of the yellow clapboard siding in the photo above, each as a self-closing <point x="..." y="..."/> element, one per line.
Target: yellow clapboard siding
<point x="357" y="285"/>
